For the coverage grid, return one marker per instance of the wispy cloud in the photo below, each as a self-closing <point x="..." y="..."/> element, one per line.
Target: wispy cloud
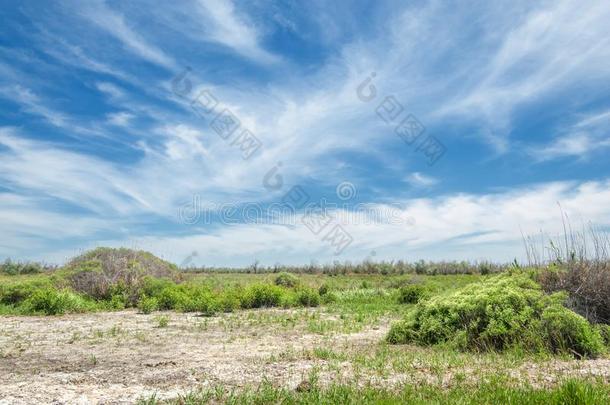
<point x="590" y="134"/>
<point x="120" y="119"/>
<point x="418" y="179"/>
<point x="225" y="25"/>
<point x="453" y="226"/>
<point x="114" y="24"/>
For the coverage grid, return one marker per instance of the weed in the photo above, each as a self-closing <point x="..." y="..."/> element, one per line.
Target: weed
<point x="162" y="321"/>
<point x="147" y="305"/>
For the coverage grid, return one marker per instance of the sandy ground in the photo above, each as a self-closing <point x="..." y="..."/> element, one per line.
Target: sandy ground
<point x="123" y="356"/>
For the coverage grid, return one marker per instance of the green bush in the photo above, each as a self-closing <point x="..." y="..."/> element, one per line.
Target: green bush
<point x="12" y="268"/>
<point x="604" y="331"/>
<point x="308" y="297"/>
<point x="262" y="295"/>
<point x="146" y="305"/>
<point x="14" y="294"/>
<point x="565" y="331"/>
<point x="54" y="302"/>
<point x="496" y="314"/>
<point x="171" y="297"/>
<point x="287" y="280"/>
<point x="324" y="289"/>
<point x="229" y="301"/>
<point x="412" y="294"/>
<point x="329" y="297"/>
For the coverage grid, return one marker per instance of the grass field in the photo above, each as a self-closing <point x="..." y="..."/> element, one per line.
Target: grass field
<point x="329" y="348"/>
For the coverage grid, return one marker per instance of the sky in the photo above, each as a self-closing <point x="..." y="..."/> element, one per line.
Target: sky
<point x="224" y="132"/>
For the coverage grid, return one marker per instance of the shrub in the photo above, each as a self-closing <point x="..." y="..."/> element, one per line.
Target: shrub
<point x="287" y="280"/>
<point x="495" y="314"/>
<point x="604" y="331"/>
<point x="14" y="294"/>
<point x="566" y="331"/>
<point x="229" y="301"/>
<point x="412" y="294"/>
<point x="323" y="289"/>
<point x="588" y="285"/>
<point x="98" y="273"/>
<point x="329" y="297"/>
<point x="171" y="297"/>
<point x="11" y="268"/>
<point x="581" y="266"/>
<point x="54" y="302"/>
<point x="146" y="305"/>
<point x="308" y="297"/>
<point x="262" y="295"/>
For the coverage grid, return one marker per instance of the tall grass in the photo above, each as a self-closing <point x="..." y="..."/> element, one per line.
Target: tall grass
<point x="577" y="262"/>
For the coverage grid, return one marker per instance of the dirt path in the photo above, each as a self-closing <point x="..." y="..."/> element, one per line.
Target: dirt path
<point x="122" y="356"/>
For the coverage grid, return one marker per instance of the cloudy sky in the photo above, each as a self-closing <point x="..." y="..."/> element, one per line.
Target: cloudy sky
<point x="176" y="128"/>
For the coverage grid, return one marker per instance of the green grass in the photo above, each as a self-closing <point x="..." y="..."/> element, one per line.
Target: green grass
<point x="368" y="296"/>
<point x="494" y="392"/>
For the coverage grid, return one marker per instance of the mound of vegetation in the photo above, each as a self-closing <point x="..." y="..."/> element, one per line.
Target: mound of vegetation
<point x="106" y="272"/>
<point x="502" y="312"/>
<point x="285" y="279"/>
<point x="412" y="294"/>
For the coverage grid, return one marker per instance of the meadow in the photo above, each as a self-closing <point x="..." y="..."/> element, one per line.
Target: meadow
<point x="122" y="325"/>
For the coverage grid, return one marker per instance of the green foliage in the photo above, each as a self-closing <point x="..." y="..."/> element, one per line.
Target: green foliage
<point x="572" y="392"/>
<point x="262" y="295"/>
<point x="308" y="297"/>
<point x="323" y="289"/>
<point x="412" y="294"/>
<point x="495" y="314"/>
<point x="16" y="293"/>
<point x="147" y="305"/>
<point x="50" y="301"/>
<point x="565" y="331"/>
<point x="230" y="300"/>
<point x="287" y="280"/>
<point x="604" y="331"/>
<point x="14" y="268"/>
<point x="162" y="321"/>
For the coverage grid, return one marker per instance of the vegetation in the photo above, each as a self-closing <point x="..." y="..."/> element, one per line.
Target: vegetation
<point x="498" y="313"/>
<point x="412" y="294"/>
<point x="569" y="392"/>
<point x="455" y="317"/>
<point x="15" y="268"/>
<point x="398" y="267"/>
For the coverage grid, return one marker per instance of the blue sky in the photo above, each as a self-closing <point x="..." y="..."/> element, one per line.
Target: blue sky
<point x="100" y="144"/>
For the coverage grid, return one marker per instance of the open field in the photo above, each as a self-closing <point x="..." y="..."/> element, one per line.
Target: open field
<point x="336" y="349"/>
<point x="118" y="356"/>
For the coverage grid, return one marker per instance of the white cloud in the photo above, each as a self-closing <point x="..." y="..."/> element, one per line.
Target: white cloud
<point x="114" y="24"/>
<point x="120" y="119"/>
<point x="418" y="179"/>
<point x="230" y="28"/>
<point x="554" y="46"/>
<point x="32" y="104"/>
<point x="588" y="135"/>
<point x="453" y="226"/>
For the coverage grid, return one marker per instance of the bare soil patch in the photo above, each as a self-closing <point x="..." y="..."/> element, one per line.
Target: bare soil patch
<point x="122" y="356"/>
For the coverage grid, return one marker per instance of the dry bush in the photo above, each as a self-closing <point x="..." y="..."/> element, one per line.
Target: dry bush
<point x="578" y="263"/>
<point x="104" y="272"/>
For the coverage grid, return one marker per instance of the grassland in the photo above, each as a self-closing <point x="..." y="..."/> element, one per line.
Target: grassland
<point x="334" y="350"/>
